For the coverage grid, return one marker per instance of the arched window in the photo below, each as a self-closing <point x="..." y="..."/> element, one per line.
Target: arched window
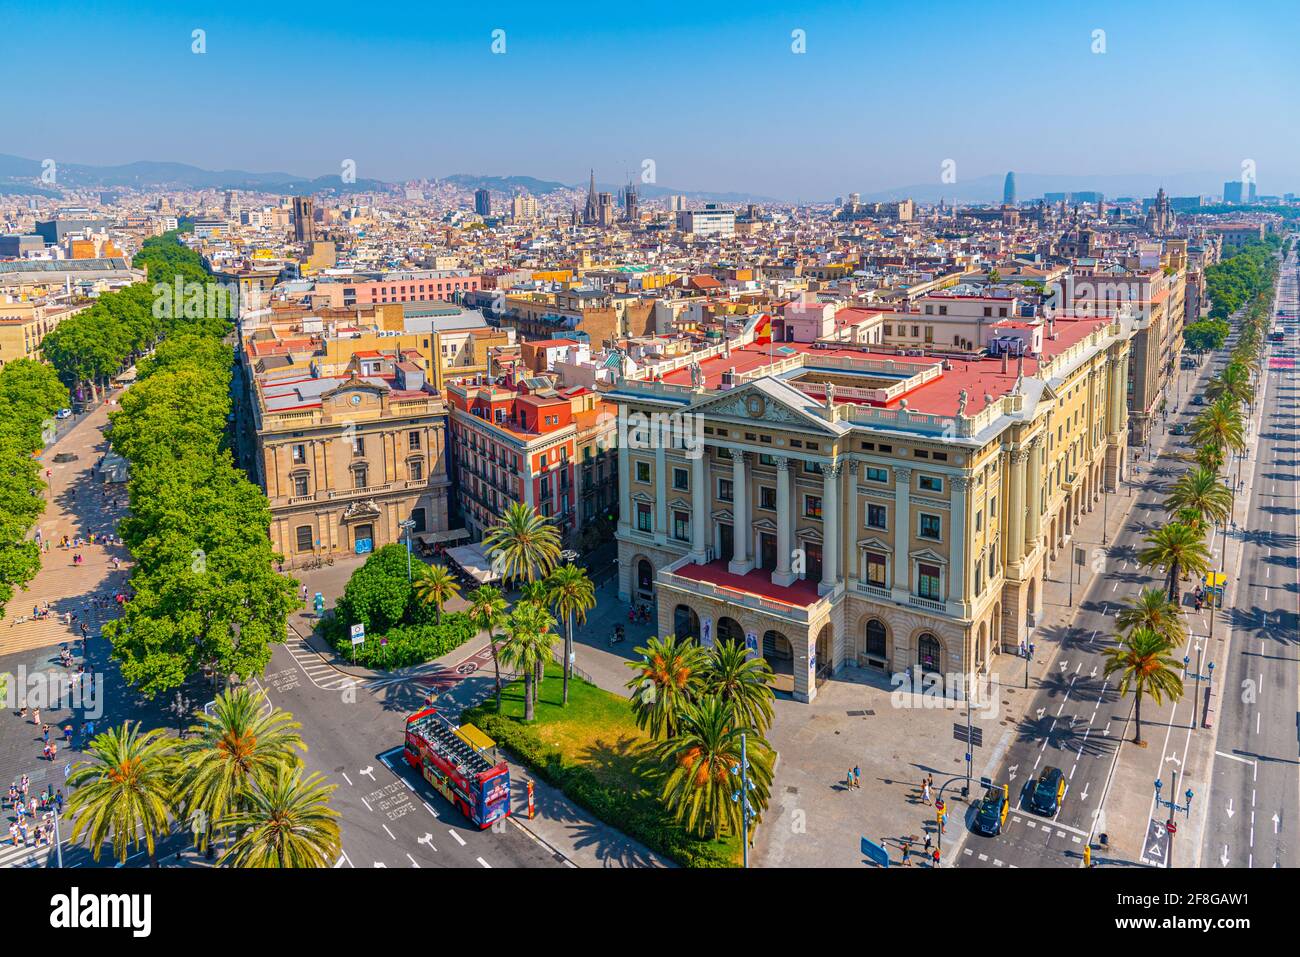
<point x="645" y="577"/>
<point x="729" y="630"/>
<point x="929" y="655"/>
<point x="877" y="640"/>
<point x="686" y="624"/>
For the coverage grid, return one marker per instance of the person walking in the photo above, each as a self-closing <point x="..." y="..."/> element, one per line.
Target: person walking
<point x="36" y="716"/>
<point x="936" y="857"/>
<point x="925" y="792"/>
<point x="907" y="854"/>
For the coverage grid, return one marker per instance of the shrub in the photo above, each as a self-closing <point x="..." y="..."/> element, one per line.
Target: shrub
<point x="402" y="645"/>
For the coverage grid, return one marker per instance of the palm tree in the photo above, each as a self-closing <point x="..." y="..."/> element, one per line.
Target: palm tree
<point x="570" y="594"/>
<point x="1232" y="383"/>
<point x="1220" y="424"/>
<point x="744" y="682"/>
<point x="669" y="676"/>
<point x="487" y="609"/>
<point x="1210" y="457"/>
<point x="231" y="750"/>
<point x="528" y="643"/>
<point x="1153" y="610"/>
<point x="436" y="586"/>
<point x="287" y="823"/>
<point x="1201" y="491"/>
<point x="523" y="544"/>
<point x="702" y="755"/>
<point x="1143" y="657"/>
<point x="123" y="791"/>
<point x="1178" y="550"/>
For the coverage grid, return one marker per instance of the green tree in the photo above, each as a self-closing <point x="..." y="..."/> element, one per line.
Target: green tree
<point x="701" y="756"/>
<point x="1142" y="657"/>
<point x="1152" y="609"/>
<point x="434" y="585"/>
<point x="527" y="646"/>
<point x="123" y="793"/>
<point x="523" y="544"/>
<point x="487" y="609"/>
<point x="743" y="682"/>
<point x="287" y="822"/>
<point x="571" y="595"/>
<point x="230" y="751"/>
<point x="1201" y="491"/>
<point x="669" y="676"/>
<point x="1220" y="424"/>
<point x="1178" y="550"/>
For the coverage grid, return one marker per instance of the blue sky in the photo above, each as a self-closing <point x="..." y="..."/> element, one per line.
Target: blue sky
<point x="712" y="92"/>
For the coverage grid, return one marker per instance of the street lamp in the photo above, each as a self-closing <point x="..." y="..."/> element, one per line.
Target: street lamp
<point x="407" y="524"/>
<point x="1174" y="807"/>
<point x="741" y="796"/>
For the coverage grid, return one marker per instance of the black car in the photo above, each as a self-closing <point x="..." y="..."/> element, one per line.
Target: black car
<point x="1049" y="789"/>
<point x="991" y="814"/>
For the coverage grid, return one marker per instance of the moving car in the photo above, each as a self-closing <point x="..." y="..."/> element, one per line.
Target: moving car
<point x="1198" y="400"/>
<point x="1048" y="792"/>
<point x="1178" y="429"/>
<point x="991" y="815"/>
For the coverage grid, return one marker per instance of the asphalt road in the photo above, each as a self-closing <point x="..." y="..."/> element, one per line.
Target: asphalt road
<point x="1255" y="781"/>
<point x="1077" y="718"/>
<point x="390" y="817"/>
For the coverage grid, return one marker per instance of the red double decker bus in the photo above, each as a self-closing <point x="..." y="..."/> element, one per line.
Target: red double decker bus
<point x="457" y="769"/>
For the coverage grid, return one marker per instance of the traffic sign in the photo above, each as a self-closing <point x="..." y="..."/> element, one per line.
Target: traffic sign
<point x="1171" y="827"/>
<point x="975" y="738"/>
<point x="358" y="632"/>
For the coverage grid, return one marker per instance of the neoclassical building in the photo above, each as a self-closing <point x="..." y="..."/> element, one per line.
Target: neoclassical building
<point x="839" y="505"/>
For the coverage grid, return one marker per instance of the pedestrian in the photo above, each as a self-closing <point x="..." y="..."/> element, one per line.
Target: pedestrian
<point x="927" y="844"/>
<point x="857" y="777"/>
<point x="848" y="779"/>
<point x="13" y="833"/>
<point x="58" y="799"/>
<point x="925" y="792"/>
<point x="36" y="715"/>
<point x="45" y="733"/>
<point x="67" y="735"/>
<point x="936" y="857"/>
<point x="22" y="713"/>
<point x="907" y="854"/>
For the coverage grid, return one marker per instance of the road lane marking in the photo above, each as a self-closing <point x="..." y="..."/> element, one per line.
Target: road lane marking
<point x="459" y="840"/>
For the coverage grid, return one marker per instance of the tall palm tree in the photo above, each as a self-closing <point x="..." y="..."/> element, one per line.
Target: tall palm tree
<point x="528" y="643"/>
<point x="1210" y="456"/>
<point x="124" y="792"/>
<point x="1178" y="550"/>
<point x="669" y="676"/>
<point x="228" y="753"/>
<point x="744" y="682"/>
<point x="700" y="786"/>
<point x="436" y="586"/>
<point x="1220" y="424"/>
<point x="287" y="823"/>
<point x="487" y="609"/>
<point x="1232" y="383"/>
<point x="1153" y="610"/>
<point x="571" y="595"/>
<point x="1201" y="491"/>
<point x="1148" y="669"/>
<point x="523" y="544"/>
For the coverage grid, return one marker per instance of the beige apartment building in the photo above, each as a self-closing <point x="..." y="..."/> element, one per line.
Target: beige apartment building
<point x="345" y="459"/>
<point x="843" y="506"/>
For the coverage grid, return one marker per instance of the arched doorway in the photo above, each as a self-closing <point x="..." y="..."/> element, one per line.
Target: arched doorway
<point x="825" y="652"/>
<point x="729" y="630"/>
<point x="929" y="654"/>
<point x="686" y="624"/>
<point x="645" y="579"/>
<point x="779" y="653"/>
<point x="875" y="644"/>
<point x="1031" y="599"/>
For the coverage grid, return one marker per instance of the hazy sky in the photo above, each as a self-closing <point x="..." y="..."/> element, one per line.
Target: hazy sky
<point x="885" y="92"/>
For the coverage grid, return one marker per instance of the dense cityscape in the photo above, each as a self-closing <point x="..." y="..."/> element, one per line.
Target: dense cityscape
<point x="485" y="521"/>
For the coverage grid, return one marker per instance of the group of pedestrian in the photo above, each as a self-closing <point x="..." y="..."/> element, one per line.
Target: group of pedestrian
<point x="47" y="804"/>
<point x="854" y="778"/>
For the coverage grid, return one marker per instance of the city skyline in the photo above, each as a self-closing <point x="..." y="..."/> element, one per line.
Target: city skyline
<point x="439" y="101"/>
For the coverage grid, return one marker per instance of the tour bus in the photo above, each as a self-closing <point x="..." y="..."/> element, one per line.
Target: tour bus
<point x="458" y="769"/>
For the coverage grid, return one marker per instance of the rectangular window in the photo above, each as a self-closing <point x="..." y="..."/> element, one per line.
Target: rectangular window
<point x="358" y="446"/>
<point x="412" y="440"/>
<point x="417" y="470"/>
<point x="725" y="490"/>
<point x="305" y="536"/>
<point x="812" y="506"/>
<point x="930" y="483"/>
<point x="927" y="584"/>
<point x="877" y="475"/>
<point x="877" y="516"/>
<point x="679" y="478"/>
<point x="767" y="498"/>
<point x="681" y="526"/>
<point x="930" y="527"/>
<point x="299" y="453"/>
<point x="814" y="468"/>
<point x="876" y="569"/>
<point x="642" y="472"/>
<point x="765" y="459"/>
<point x="643" y="518"/>
<point x="300" y="485"/>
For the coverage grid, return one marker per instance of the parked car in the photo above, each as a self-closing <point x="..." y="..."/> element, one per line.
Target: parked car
<point x="1048" y="792"/>
<point x="63" y="414"/>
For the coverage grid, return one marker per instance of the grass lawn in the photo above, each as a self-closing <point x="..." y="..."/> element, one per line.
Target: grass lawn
<point x="597" y="732"/>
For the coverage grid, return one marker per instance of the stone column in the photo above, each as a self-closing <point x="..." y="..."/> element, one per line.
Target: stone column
<point x="1016" y="508"/>
<point x="958" y="559"/>
<point x="1034" y="527"/>
<point x="624" y="487"/>
<point x="902" y="584"/>
<point x="699" y="507"/>
<point x="661" y="494"/>
<point x="784" y="524"/>
<point x="740" y="563"/>
<point x="851" y="528"/>
<point x="830" y="526"/>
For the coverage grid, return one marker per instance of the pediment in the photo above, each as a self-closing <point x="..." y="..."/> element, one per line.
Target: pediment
<point x="752" y="403"/>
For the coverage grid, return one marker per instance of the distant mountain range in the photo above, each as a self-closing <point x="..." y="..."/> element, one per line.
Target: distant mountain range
<point x="19" y="175"/>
